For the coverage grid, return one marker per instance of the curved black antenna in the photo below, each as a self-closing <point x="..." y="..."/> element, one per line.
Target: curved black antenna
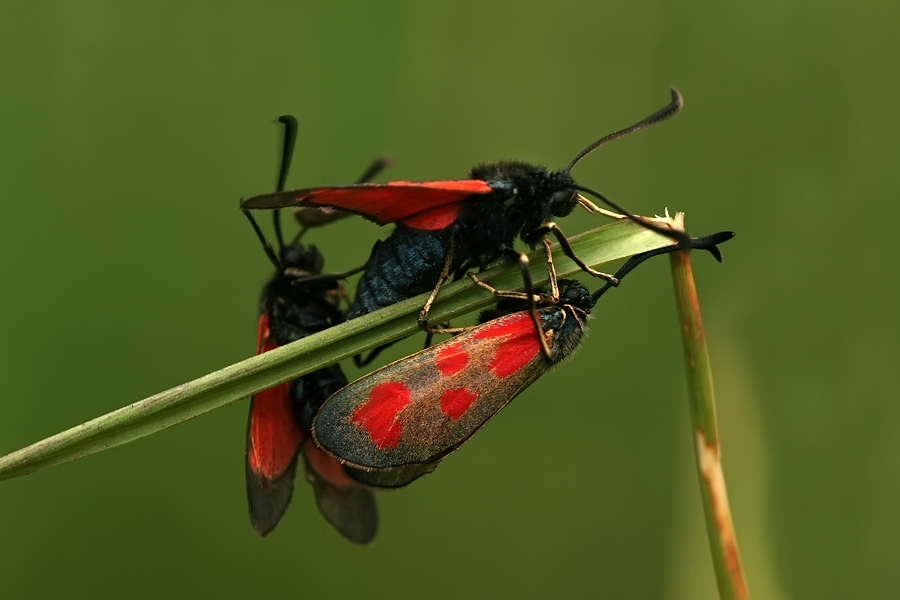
<point x="708" y="242"/>
<point x="287" y="153"/>
<point x="670" y="110"/>
<point x="684" y="241"/>
<point x="378" y="165"/>
<point x="270" y="252"/>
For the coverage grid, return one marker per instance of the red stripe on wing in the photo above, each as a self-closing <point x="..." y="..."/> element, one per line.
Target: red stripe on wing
<point x="263" y="342"/>
<point x="274" y="436"/>
<point x="396" y="201"/>
<point x="436" y="218"/>
<point x="514" y="324"/>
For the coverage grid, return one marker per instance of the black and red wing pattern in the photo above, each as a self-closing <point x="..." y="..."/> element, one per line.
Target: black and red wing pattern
<point x="349" y="507"/>
<point x="275" y="438"/>
<point x="397" y="423"/>
<point x="273" y="441"/>
<point x="412" y="203"/>
<point x="453" y="226"/>
<point x="280" y="417"/>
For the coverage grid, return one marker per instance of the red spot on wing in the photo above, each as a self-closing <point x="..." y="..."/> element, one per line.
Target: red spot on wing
<point x="451" y="360"/>
<point x="397" y="200"/>
<point x="275" y="436"/>
<point x="377" y="416"/>
<point x="326" y="467"/>
<point x="455" y="403"/>
<point x="513" y="354"/>
<point x="519" y="347"/>
<point x="514" y="324"/>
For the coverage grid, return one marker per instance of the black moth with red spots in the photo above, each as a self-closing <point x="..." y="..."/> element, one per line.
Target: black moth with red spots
<point x="397" y="423"/>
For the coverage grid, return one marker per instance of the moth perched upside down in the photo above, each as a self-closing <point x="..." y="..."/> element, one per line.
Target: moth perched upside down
<point x="397" y="423"/>
<point x="280" y="417"/>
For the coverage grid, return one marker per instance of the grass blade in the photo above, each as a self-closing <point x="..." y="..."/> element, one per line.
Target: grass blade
<point x="608" y="243"/>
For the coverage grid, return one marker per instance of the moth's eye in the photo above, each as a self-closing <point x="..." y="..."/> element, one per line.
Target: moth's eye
<point x="572" y="293"/>
<point x="562" y="202"/>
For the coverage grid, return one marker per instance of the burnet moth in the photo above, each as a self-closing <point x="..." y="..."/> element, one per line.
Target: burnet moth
<point x="397" y="423"/>
<point x="444" y="228"/>
<point x="278" y="430"/>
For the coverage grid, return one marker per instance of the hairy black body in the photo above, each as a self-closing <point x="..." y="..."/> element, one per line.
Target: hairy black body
<point x="444" y="228"/>
<point x="410" y="261"/>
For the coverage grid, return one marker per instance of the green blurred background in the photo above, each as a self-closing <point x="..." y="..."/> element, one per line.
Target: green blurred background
<point x="130" y="133"/>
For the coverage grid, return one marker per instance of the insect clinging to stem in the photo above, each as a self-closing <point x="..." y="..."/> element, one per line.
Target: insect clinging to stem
<point x="397" y="423"/>
<point x="444" y="228"/>
<point x="278" y="429"/>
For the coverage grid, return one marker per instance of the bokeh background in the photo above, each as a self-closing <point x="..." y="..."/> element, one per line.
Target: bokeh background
<point x="130" y="131"/>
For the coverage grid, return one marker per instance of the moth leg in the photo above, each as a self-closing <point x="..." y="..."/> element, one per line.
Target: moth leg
<point x="528" y="294"/>
<point x="344" y="275"/>
<point x="325" y="276"/>
<point x="551" y="270"/>
<point x="445" y="274"/>
<point x="451" y="330"/>
<point x="532" y="306"/>
<point x="553" y="228"/>
<point x="443" y="328"/>
<point x="593" y="208"/>
<point x="362" y="361"/>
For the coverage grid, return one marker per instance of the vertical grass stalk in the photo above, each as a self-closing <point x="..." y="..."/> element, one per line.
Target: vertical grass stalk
<point x="719" y="527"/>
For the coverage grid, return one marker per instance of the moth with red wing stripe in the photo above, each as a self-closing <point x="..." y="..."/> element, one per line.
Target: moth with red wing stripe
<point x="397" y="423"/>
<point x="280" y="417"/>
<point x="278" y="433"/>
<point x="444" y="228"/>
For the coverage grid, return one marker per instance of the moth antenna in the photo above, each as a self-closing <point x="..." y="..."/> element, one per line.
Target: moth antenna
<point x="670" y="110"/>
<point x="710" y="243"/>
<point x="380" y="164"/>
<point x="287" y="153"/>
<point x="270" y="252"/>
